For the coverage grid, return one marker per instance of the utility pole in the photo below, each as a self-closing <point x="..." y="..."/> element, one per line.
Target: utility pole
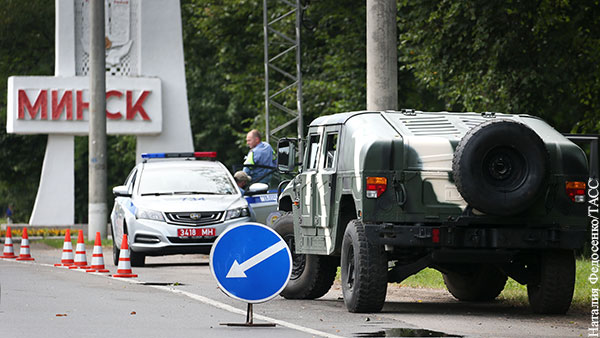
<point x="97" y="215"/>
<point x="382" y="59"/>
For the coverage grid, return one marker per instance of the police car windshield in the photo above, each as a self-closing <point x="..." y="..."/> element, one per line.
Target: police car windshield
<point x="185" y="180"/>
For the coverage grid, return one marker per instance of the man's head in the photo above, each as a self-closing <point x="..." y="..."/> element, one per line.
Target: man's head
<point x="253" y="138"/>
<point x="242" y="179"/>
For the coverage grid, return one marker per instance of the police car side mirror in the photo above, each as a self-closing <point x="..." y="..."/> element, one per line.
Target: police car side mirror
<point x="286" y="155"/>
<point x="258" y="188"/>
<point x="121" y="191"/>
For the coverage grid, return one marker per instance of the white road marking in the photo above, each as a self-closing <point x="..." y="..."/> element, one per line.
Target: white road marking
<point x="232" y="309"/>
<point x="213" y="303"/>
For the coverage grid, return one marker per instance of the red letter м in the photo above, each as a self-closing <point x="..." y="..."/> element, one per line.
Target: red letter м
<point x="40" y="102"/>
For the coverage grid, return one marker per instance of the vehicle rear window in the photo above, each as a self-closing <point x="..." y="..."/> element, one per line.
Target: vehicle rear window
<point x="196" y="180"/>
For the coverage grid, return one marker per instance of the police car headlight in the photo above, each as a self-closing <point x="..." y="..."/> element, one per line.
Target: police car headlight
<point x="149" y="214"/>
<point x="236" y="213"/>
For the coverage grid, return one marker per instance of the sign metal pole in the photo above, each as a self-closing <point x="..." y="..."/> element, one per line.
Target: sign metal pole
<point x="249" y="320"/>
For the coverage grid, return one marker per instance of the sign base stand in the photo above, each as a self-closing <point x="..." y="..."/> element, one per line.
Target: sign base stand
<point x="249" y="320"/>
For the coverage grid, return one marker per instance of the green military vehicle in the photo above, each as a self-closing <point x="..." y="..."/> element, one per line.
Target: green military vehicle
<point x="479" y="197"/>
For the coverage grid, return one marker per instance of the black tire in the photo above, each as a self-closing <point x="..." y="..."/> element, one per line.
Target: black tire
<point x="364" y="271"/>
<point x="480" y="283"/>
<point x="137" y="259"/>
<point x="115" y="251"/>
<point x="500" y="167"/>
<point x="552" y="291"/>
<point x="312" y="275"/>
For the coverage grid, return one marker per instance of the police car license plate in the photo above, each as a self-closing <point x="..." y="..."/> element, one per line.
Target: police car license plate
<point x="193" y="232"/>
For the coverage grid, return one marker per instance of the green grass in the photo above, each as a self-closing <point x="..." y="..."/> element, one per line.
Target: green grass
<point x="58" y="242"/>
<point x="427" y="278"/>
<point x="514" y="293"/>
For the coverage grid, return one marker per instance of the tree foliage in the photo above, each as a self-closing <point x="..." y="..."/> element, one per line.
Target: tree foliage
<point x="527" y="57"/>
<point x="534" y="57"/>
<point x="223" y="43"/>
<point x="27" y="45"/>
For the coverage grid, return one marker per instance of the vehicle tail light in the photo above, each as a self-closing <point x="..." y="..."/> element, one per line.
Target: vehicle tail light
<point x="435" y="235"/>
<point x="211" y="154"/>
<point x="376" y="186"/>
<point x="576" y="191"/>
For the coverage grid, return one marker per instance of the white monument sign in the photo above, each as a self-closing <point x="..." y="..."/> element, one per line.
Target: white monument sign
<point x="145" y="92"/>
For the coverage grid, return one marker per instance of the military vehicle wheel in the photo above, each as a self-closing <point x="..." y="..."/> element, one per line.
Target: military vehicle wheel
<point x="312" y="275"/>
<point x="500" y="167"/>
<point x="479" y="284"/>
<point x="364" y="271"/>
<point x="552" y="291"/>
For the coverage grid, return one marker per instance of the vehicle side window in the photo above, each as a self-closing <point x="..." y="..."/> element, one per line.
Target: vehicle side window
<point x="330" y="150"/>
<point x="313" y="151"/>
<point x="130" y="181"/>
<point x="131" y="174"/>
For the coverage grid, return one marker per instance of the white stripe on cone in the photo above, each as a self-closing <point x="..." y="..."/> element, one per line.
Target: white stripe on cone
<point x="67" y="253"/>
<point x="124" y="268"/>
<point x="9" y="251"/>
<point x="97" y="257"/>
<point x="80" y="255"/>
<point x="24" y="253"/>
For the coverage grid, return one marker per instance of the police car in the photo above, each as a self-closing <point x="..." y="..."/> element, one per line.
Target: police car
<point x="173" y="203"/>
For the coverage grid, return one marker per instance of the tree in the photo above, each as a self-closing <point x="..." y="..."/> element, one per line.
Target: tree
<point x="540" y="58"/>
<point x="27" y="45"/>
<point x="223" y="43"/>
<point x="524" y="57"/>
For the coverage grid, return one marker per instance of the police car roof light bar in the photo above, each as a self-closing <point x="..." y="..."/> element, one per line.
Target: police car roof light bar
<point x="197" y="154"/>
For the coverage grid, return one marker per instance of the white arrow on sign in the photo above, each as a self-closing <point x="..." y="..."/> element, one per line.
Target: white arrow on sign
<point x="238" y="270"/>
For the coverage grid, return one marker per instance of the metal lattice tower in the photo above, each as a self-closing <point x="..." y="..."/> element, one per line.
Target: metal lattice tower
<point x="278" y="24"/>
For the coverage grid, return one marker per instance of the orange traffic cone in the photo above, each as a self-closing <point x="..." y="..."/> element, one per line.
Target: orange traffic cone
<point x="97" y="256"/>
<point x="67" y="254"/>
<point x="24" y="254"/>
<point x="124" y="268"/>
<point x="9" y="252"/>
<point x="80" y="255"/>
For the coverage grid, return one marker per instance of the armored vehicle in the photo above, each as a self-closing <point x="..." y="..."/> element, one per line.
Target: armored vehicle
<point x="479" y="197"/>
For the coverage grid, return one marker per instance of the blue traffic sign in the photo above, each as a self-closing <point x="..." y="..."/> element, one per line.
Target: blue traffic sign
<point x="251" y="262"/>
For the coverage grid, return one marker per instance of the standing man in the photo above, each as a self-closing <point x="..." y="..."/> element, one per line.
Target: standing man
<point x="261" y="158"/>
<point x="9" y="214"/>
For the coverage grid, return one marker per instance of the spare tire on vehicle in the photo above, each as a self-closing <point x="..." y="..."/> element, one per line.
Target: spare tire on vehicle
<point x="500" y="167"/>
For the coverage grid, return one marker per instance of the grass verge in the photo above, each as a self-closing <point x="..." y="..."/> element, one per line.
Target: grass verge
<point x="515" y="293"/>
<point x="58" y="242"/>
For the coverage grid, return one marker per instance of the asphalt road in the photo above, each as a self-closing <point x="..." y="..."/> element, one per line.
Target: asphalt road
<point x="176" y="295"/>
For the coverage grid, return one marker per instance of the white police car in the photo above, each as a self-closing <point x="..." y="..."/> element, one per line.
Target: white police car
<point x="175" y="206"/>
